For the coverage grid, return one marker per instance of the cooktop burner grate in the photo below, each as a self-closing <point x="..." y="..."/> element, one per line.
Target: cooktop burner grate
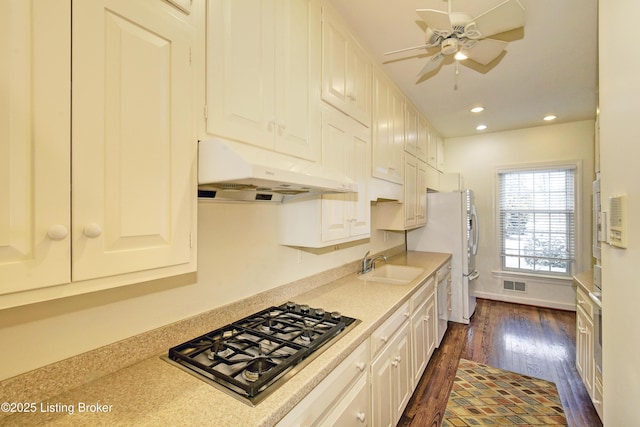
<point x="252" y="354"/>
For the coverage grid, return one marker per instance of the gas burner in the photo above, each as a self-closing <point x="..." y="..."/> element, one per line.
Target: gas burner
<point x="219" y="348"/>
<point x="258" y="367"/>
<point x="307" y="332"/>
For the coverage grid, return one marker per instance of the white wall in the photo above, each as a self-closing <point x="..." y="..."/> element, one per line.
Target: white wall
<point x="238" y="256"/>
<point x="620" y="173"/>
<point x="478" y="157"/>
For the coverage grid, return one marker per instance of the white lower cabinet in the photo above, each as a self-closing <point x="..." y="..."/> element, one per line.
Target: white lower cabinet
<point x="584" y="339"/>
<point x="423" y="328"/>
<point x="374" y="384"/>
<point x="341" y="399"/>
<point x="391" y="384"/>
<point x="391" y="379"/>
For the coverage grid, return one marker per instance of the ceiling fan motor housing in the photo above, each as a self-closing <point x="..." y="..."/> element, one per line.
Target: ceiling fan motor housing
<point x="449" y="46"/>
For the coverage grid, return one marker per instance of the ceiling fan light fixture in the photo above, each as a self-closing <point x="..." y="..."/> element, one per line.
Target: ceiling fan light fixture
<point x="549" y="117"/>
<point x="477" y="109"/>
<point x="460" y="56"/>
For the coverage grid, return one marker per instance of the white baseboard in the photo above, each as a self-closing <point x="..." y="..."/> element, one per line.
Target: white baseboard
<point x="524" y="300"/>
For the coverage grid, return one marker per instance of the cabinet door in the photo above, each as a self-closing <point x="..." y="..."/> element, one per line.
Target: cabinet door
<point x="411" y="130"/>
<point x="297" y="76"/>
<point x="359" y="164"/>
<point x="240" y="71"/>
<point x="134" y="145"/>
<point x="410" y="190"/>
<point x="345" y="148"/>
<point x="419" y="342"/>
<point x="421" y="193"/>
<point x="402" y="364"/>
<point x="336" y="209"/>
<point x="431" y="330"/>
<point x="423" y="139"/>
<point x="346" y="71"/>
<point x="387" y="150"/>
<point x="35" y="47"/>
<point x="584" y="349"/>
<point x="353" y="408"/>
<point x="383" y="390"/>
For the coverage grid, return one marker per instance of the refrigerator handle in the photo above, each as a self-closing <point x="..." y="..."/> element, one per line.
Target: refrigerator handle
<point x="476" y="230"/>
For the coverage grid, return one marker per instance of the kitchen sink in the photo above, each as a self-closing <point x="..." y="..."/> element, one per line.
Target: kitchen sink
<point x="392" y="274"/>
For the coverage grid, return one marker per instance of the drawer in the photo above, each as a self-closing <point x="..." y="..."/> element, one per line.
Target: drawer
<point x="323" y="397"/>
<point x="384" y="333"/>
<point x="443" y="271"/>
<point x="584" y="302"/>
<point x="421" y="295"/>
<point x="353" y="409"/>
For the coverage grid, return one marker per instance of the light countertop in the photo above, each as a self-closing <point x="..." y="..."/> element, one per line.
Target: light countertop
<point x="154" y="392"/>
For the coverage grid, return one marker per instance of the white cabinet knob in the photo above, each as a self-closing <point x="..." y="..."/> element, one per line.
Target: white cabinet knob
<point x="361" y="417"/>
<point x="407" y="314"/>
<point x="92" y="230"/>
<point x="57" y="232"/>
<point x="361" y="366"/>
<point x="384" y="339"/>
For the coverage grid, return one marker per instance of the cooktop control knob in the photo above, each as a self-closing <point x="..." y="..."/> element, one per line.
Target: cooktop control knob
<point x="336" y="315"/>
<point x="291" y="305"/>
<point x="320" y="311"/>
<point x="304" y="308"/>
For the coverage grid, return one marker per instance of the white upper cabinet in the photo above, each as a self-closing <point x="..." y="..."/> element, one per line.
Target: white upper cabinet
<point x="334" y="218"/>
<point x="35" y="47"/>
<point x="388" y="130"/>
<point x="346" y="70"/>
<point x="262" y="73"/>
<point x="101" y="188"/>
<point x="133" y="136"/>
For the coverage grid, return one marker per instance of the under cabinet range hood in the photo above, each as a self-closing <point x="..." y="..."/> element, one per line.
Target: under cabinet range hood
<point x="233" y="171"/>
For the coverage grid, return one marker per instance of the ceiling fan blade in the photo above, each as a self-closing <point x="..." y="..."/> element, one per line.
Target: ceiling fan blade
<point x="485" y="51"/>
<point x="506" y="16"/>
<point x="422" y="46"/>
<point x="435" y="18"/>
<point x="431" y="64"/>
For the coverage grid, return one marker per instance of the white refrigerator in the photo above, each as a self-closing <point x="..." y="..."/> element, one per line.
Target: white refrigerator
<point x="452" y="226"/>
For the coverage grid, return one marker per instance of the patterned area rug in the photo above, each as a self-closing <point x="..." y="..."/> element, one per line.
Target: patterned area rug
<point x="486" y="396"/>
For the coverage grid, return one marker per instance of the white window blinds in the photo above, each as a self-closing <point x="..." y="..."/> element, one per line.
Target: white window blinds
<point x="537" y="211"/>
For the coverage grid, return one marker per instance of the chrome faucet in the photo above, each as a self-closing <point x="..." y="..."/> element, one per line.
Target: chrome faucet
<point x="369" y="264"/>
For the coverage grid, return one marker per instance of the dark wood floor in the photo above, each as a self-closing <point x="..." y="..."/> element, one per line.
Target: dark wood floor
<point x="528" y="340"/>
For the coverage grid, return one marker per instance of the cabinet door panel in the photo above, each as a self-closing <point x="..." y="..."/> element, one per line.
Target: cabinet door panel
<point x="133" y="140"/>
<point x="35" y="44"/>
<point x="335" y="145"/>
<point x="297" y="78"/>
<point x="240" y="71"/>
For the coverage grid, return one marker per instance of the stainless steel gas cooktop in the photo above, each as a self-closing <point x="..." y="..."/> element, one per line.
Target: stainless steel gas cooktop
<point x="252" y="356"/>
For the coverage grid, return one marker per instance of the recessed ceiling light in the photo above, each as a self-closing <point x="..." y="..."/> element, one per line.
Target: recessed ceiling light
<point x="549" y="117"/>
<point x="481" y="127"/>
<point x="477" y="109"/>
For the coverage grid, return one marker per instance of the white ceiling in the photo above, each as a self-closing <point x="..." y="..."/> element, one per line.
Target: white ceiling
<point x="550" y="69"/>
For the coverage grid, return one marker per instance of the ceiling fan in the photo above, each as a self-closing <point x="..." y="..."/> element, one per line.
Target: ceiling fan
<point x="465" y="37"/>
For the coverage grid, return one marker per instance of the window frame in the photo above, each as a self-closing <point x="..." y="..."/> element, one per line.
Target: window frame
<point x="574" y="264"/>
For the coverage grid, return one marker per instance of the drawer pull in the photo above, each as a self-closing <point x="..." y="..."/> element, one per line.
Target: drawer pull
<point x="361" y="416"/>
<point x="384" y="339"/>
<point x="361" y="366"/>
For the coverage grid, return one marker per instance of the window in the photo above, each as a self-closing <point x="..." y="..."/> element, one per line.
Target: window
<point x="538" y="220"/>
